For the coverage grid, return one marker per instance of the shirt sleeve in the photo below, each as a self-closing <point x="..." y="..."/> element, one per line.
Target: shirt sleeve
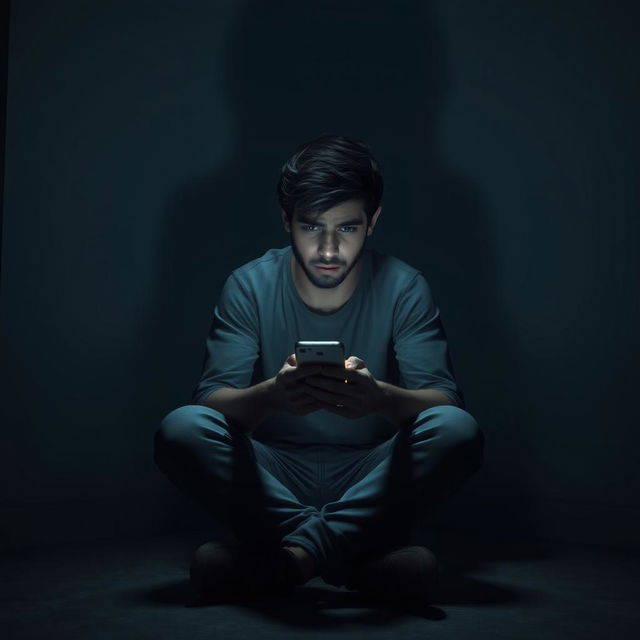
<point x="232" y="345"/>
<point x="420" y="342"/>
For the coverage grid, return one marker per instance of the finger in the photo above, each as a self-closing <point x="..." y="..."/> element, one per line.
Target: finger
<point x="339" y="373"/>
<point x="305" y="369"/>
<point x="330" y="398"/>
<point x="302" y="398"/>
<point x="331" y="366"/>
<point x="310" y="403"/>
<point x="332" y="385"/>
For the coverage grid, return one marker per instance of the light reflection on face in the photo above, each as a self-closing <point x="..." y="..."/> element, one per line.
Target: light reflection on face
<point x="336" y="238"/>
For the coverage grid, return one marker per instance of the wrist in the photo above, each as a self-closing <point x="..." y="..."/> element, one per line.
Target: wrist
<point x="385" y="400"/>
<point x="271" y="399"/>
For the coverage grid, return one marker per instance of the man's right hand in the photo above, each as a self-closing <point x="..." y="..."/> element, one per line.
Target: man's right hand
<point x="288" y="391"/>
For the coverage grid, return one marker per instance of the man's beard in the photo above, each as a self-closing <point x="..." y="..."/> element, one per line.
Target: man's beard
<point x="318" y="280"/>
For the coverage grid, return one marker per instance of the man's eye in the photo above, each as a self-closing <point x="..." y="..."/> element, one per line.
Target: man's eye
<point x="312" y="227"/>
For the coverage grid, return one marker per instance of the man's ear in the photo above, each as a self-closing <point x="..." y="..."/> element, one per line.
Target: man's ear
<point x="374" y="219"/>
<point x="285" y="221"/>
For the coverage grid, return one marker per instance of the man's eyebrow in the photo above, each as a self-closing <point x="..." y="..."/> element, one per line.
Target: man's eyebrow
<point x="353" y="221"/>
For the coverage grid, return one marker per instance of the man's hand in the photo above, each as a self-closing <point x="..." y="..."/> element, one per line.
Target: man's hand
<point x="290" y="393"/>
<point x="352" y="386"/>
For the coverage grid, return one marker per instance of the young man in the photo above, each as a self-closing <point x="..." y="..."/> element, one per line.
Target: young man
<point x="322" y="470"/>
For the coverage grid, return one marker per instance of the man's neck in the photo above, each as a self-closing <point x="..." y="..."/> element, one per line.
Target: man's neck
<point x="324" y="301"/>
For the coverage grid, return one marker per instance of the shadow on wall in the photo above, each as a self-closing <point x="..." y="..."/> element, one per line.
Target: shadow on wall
<point x="296" y="71"/>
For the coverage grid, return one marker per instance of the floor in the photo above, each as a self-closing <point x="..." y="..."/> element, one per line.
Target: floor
<point x="138" y="589"/>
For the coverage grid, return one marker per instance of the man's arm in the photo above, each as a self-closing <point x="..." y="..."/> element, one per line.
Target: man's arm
<point x="232" y="346"/>
<point x="426" y="371"/>
<point x="402" y="406"/>
<point x="246" y="408"/>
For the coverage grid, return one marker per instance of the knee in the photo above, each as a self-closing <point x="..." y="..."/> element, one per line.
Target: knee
<point x="182" y="427"/>
<point x="461" y="428"/>
<point x="456" y="429"/>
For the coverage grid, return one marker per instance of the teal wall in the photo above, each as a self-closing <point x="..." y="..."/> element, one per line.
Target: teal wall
<point x="143" y="144"/>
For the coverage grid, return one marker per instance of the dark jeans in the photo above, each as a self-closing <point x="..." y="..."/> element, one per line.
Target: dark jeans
<point x="339" y="503"/>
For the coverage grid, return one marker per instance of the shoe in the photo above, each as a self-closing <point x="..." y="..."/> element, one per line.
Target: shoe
<point x="226" y="571"/>
<point x="406" y="575"/>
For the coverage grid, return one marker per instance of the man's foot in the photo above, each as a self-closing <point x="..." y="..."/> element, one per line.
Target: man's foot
<point x="305" y="562"/>
<point x="405" y="576"/>
<point x="222" y="571"/>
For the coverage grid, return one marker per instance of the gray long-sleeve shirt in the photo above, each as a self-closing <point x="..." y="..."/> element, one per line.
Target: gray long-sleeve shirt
<point x="391" y="322"/>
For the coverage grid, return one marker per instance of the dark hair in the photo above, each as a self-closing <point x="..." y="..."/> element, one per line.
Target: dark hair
<point x="327" y="171"/>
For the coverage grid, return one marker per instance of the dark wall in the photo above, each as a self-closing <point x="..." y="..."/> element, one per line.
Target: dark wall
<point x="144" y="141"/>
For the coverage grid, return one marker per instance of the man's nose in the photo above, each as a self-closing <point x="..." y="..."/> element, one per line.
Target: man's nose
<point x="329" y="247"/>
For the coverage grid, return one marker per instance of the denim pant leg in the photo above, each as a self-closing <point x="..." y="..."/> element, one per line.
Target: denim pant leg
<point x="397" y="479"/>
<point x="240" y="482"/>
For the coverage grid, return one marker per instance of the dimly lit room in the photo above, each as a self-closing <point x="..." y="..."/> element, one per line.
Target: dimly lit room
<point x="320" y="319"/>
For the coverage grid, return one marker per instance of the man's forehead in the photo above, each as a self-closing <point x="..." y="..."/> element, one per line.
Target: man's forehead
<point x="352" y="212"/>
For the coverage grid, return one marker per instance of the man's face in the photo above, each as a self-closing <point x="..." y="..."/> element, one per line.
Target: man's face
<point x="336" y="239"/>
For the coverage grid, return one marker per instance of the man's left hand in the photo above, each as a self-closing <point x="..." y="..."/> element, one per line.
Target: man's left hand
<point x="352" y="386"/>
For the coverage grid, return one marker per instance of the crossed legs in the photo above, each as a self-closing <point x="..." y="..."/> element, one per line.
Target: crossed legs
<point x="253" y="487"/>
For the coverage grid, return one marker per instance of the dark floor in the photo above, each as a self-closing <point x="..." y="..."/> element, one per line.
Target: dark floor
<point x="138" y="589"/>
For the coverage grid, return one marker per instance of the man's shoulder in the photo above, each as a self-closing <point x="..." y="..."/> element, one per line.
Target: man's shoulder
<point x="263" y="269"/>
<point x="390" y="271"/>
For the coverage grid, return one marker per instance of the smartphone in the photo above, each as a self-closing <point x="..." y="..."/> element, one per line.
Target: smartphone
<point x="320" y="351"/>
